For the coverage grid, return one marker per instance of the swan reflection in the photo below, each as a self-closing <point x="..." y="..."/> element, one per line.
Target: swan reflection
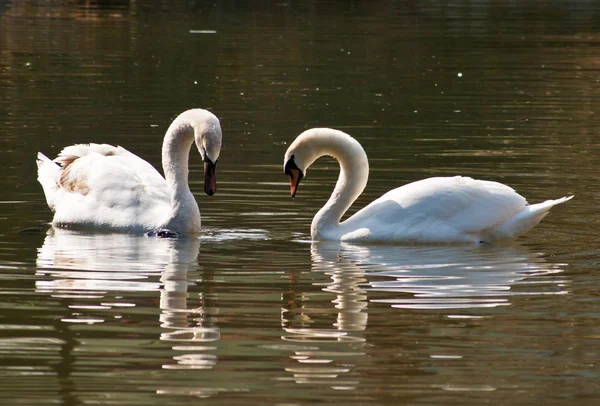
<point x="352" y="277"/>
<point x="102" y="268"/>
<point x="447" y="277"/>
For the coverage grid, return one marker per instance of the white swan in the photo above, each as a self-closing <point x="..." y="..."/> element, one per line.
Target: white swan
<point x="100" y="186"/>
<point x="433" y="210"/>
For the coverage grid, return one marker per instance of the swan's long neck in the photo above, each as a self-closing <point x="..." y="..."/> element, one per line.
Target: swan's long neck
<point x="354" y="173"/>
<point x="175" y="157"/>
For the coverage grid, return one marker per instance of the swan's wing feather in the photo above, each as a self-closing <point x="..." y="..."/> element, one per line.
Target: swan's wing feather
<point x="73" y="152"/>
<point x="116" y="178"/>
<point x="143" y="169"/>
<point x="459" y="203"/>
<point x="98" y="189"/>
<point x="48" y="176"/>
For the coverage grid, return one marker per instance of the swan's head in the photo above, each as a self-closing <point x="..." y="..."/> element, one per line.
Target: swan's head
<point x="317" y="142"/>
<point x="208" y="136"/>
<point x="305" y="150"/>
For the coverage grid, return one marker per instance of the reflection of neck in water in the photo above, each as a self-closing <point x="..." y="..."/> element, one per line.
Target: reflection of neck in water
<point x="350" y="300"/>
<point x="174" y="301"/>
<point x="325" y="355"/>
<point x="187" y="326"/>
<point x="346" y="280"/>
<point x="450" y="277"/>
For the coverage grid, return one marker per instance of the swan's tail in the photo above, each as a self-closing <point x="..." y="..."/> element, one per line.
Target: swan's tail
<point x="523" y="221"/>
<point x="48" y="176"/>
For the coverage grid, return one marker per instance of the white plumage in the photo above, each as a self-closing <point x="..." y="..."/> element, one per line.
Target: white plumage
<point x="433" y="210"/>
<point x="101" y="186"/>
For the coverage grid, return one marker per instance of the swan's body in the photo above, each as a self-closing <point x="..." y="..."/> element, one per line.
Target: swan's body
<point x="105" y="187"/>
<point x="434" y="210"/>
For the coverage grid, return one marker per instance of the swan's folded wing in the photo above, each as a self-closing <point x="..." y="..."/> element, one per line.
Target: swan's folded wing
<point x="98" y="190"/>
<point x="461" y="203"/>
<point x="480" y="204"/>
<point x="142" y="168"/>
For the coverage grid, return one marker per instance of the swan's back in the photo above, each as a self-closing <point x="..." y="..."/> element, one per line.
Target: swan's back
<point x="463" y="202"/>
<point x="457" y="209"/>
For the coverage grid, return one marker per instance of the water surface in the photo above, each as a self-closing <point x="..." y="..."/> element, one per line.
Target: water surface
<point x="252" y="312"/>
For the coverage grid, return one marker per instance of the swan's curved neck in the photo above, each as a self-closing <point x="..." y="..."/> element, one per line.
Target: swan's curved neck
<point x="175" y="157"/>
<point x="354" y="173"/>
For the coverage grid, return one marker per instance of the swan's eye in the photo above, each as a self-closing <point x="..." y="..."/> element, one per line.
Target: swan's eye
<point x="290" y="164"/>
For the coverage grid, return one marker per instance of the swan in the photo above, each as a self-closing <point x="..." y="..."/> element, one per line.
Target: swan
<point x="434" y="210"/>
<point x="100" y="186"/>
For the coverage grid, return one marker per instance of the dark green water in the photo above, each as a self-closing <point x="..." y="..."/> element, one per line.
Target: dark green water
<point x="252" y="312"/>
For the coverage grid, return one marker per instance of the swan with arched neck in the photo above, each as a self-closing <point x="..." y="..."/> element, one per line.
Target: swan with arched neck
<point x="100" y="186"/>
<point x="434" y="210"/>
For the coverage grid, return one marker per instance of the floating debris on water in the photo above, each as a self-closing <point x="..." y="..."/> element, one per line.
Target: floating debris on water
<point x="203" y="32"/>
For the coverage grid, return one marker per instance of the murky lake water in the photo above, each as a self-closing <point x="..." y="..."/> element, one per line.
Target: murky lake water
<point x="253" y="312"/>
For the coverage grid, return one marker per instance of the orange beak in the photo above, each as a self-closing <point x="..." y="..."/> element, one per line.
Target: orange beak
<point x="294" y="173"/>
<point x="295" y="177"/>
